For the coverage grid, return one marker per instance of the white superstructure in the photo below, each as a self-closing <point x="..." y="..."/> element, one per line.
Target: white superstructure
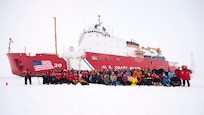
<point x="98" y="40"/>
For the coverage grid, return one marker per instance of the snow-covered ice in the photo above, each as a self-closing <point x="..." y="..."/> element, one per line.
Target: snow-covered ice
<point x="38" y="99"/>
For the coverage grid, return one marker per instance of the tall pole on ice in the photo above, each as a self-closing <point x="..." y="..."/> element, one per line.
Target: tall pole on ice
<point x="192" y="63"/>
<point x="55" y="34"/>
<point x="9" y="47"/>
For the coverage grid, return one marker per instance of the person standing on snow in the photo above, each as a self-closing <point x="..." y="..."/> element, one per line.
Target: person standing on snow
<point x="177" y="74"/>
<point x="27" y="74"/>
<point x="185" y="75"/>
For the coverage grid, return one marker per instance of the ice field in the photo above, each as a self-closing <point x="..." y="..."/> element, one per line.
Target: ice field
<point x="37" y="99"/>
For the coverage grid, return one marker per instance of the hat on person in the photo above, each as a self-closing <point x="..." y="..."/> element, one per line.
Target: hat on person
<point x="184" y="66"/>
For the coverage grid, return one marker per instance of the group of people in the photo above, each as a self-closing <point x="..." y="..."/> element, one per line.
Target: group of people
<point x="134" y="77"/>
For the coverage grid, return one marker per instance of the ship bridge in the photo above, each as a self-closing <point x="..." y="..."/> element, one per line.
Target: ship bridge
<point x="97" y="29"/>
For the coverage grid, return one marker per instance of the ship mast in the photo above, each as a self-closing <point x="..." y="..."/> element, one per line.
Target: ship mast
<point x="99" y="21"/>
<point x="9" y="48"/>
<point x="55" y="34"/>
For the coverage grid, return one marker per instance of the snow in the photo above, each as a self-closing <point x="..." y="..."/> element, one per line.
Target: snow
<point x="37" y="99"/>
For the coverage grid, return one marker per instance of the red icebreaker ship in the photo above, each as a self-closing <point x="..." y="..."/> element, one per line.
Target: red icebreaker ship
<point x="97" y="50"/>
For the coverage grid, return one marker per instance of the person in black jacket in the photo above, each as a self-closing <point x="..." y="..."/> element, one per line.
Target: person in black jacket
<point x="148" y="79"/>
<point x="27" y="76"/>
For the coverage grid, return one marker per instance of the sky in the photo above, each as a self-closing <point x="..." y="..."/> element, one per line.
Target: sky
<point x="175" y="26"/>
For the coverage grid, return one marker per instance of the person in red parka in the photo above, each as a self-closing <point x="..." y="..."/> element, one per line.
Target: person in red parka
<point x="58" y="77"/>
<point x="177" y="72"/>
<point x="70" y="77"/>
<point x="185" y="75"/>
<point x="140" y="81"/>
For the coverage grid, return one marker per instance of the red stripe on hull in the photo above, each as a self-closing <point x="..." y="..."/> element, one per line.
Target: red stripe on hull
<point x="102" y="61"/>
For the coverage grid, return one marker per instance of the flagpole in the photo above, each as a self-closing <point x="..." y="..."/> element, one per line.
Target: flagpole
<point x="55" y="34"/>
<point x="25" y="49"/>
<point x="9" y="48"/>
<point x="192" y="63"/>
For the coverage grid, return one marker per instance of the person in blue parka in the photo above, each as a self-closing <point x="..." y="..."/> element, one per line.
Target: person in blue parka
<point x="166" y="80"/>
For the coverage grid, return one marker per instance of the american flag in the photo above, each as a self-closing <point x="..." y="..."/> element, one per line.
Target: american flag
<point x="42" y="65"/>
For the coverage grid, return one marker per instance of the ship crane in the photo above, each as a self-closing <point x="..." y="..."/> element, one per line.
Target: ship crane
<point x="151" y="48"/>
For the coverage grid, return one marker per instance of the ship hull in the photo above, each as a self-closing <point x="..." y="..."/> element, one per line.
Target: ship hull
<point x="37" y="64"/>
<point x="94" y="61"/>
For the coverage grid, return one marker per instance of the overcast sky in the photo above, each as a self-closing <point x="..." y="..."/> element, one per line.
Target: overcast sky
<point x="176" y="26"/>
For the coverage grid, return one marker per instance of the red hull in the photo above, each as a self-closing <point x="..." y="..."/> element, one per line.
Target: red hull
<point x="105" y="61"/>
<point x="20" y="61"/>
